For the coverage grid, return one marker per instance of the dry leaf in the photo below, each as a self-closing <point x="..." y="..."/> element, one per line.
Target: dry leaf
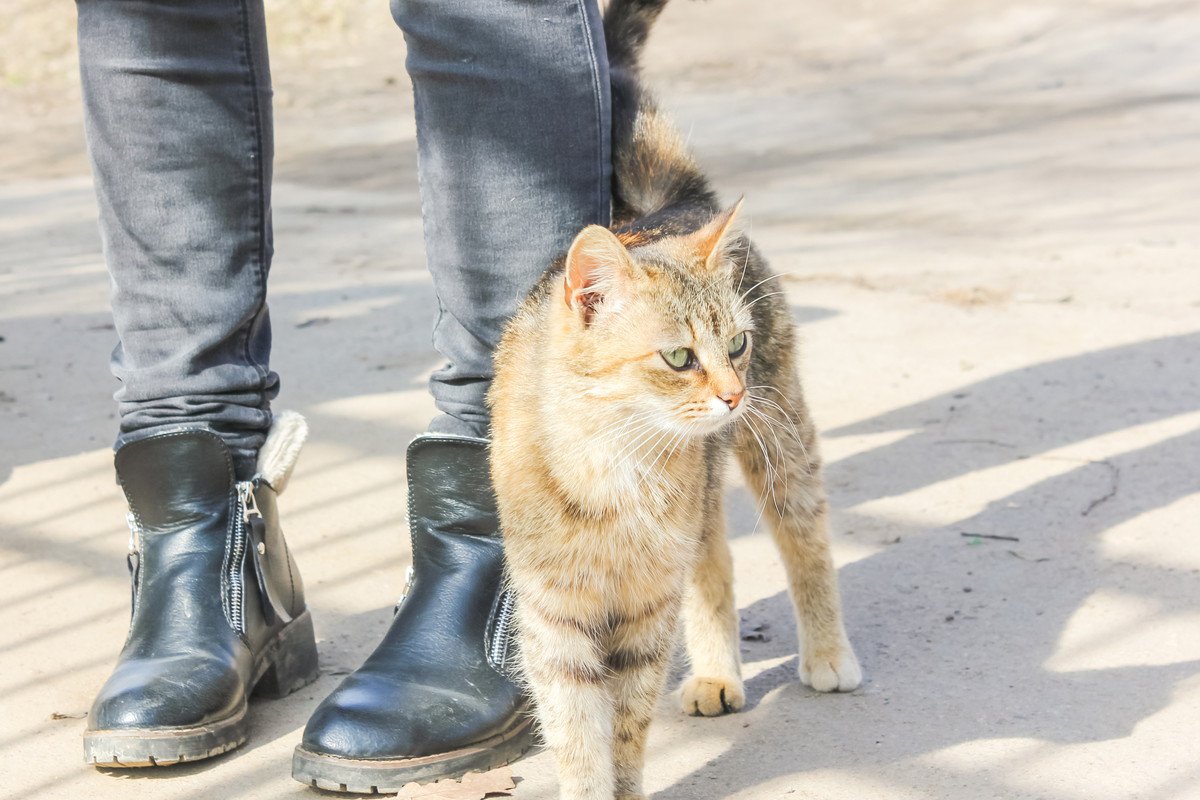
<point x="60" y="715"/>
<point x="473" y="786"/>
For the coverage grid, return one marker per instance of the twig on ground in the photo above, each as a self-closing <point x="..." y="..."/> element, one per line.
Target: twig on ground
<point x="1114" y="473"/>
<point x="989" y="536"/>
<point x="1027" y="558"/>
<point x="993" y="442"/>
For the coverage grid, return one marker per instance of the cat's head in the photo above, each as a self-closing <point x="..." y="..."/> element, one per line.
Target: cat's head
<point x="661" y="330"/>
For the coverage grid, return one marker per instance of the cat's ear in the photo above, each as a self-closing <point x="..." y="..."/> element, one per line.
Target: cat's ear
<point x="597" y="264"/>
<point x="716" y="237"/>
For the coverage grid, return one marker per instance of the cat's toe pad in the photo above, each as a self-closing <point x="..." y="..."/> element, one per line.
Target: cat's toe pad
<point x="838" y="672"/>
<point x="712" y="697"/>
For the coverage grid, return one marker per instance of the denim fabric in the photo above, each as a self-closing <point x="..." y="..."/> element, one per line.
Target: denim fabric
<point x="512" y="115"/>
<point x="177" y="103"/>
<point x="513" y="129"/>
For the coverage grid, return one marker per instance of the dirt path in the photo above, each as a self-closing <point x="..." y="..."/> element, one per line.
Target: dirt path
<point x="990" y="213"/>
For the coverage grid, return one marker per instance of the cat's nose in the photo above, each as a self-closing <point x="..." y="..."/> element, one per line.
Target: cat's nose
<point x="733" y="399"/>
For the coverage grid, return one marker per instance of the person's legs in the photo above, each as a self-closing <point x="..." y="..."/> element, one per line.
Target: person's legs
<point x="512" y="111"/>
<point x="177" y="108"/>
<point x="512" y="105"/>
<point x="177" y="100"/>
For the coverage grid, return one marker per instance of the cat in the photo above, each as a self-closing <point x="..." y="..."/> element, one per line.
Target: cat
<point x="638" y="363"/>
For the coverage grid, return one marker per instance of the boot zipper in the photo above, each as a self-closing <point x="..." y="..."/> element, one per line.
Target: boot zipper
<point x="254" y="535"/>
<point x="247" y="507"/>
<point x="133" y="559"/>
<point x="408" y="582"/>
<point x="500" y="633"/>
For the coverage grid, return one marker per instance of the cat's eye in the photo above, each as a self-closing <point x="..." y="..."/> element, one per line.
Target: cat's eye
<point x="679" y="358"/>
<point x="737" y="345"/>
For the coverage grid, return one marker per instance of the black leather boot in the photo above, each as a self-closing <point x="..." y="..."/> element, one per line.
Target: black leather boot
<point x="218" y="605"/>
<point x="436" y="698"/>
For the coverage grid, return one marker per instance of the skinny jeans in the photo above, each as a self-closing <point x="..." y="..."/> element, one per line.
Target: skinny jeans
<point x="513" y="137"/>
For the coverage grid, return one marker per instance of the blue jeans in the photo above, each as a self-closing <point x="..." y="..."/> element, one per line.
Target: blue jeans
<point x="512" y="113"/>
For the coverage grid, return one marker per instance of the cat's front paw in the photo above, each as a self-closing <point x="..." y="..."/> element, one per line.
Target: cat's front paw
<point x="836" y="671"/>
<point x="711" y="697"/>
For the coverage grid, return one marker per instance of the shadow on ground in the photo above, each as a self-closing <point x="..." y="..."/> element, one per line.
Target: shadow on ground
<point x="937" y="615"/>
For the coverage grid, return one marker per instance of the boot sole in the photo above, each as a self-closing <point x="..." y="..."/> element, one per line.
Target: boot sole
<point x="288" y="663"/>
<point x="389" y="776"/>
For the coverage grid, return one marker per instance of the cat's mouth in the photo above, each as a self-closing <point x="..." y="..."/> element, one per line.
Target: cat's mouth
<point x="715" y="416"/>
<point x="731" y="416"/>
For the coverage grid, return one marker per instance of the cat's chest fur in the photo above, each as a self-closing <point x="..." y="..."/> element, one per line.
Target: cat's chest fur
<point x="615" y="530"/>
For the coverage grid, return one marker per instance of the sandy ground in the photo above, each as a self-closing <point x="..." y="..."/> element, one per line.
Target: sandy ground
<point x="990" y="217"/>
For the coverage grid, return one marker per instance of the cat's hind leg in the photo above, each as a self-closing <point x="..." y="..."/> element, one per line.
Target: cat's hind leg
<point x="714" y="686"/>
<point x="777" y="447"/>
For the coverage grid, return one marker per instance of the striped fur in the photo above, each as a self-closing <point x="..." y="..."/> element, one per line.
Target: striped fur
<point x="608" y="463"/>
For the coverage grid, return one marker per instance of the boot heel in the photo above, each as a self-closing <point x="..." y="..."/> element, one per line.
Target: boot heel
<point x="293" y="664"/>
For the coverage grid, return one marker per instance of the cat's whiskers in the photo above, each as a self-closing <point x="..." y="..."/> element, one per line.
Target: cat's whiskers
<point x="634" y="448"/>
<point x="651" y="449"/>
<point x="781" y="394"/>
<point x="772" y="471"/>
<point x="623" y="422"/>
<point x="762" y="505"/>
<point x="626" y="478"/>
<point x="625" y="432"/>
<point x="640" y="422"/>
<point x="760" y="283"/>
<point x="668" y="449"/>
<point x="771" y="277"/>
<point x="745" y="263"/>
<point x="653" y="477"/>
<point x="791" y="413"/>
<point x="599" y="451"/>
<point x="616" y="429"/>
<point x="778" y="476"/>
<point x="783" y="414"/>
<point x="787" y="417"/>
<point x="684" y="434"/>
<point x="772" y="423"/>
<point x="762" y="297"/>
<point x="771" y="426"/>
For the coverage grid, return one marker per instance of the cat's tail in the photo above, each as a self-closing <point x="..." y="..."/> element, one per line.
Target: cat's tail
<point x="652" y="168"/>
<point x="627" y="25"/>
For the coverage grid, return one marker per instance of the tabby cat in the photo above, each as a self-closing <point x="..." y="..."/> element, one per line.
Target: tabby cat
<point x="639" y="362"/>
